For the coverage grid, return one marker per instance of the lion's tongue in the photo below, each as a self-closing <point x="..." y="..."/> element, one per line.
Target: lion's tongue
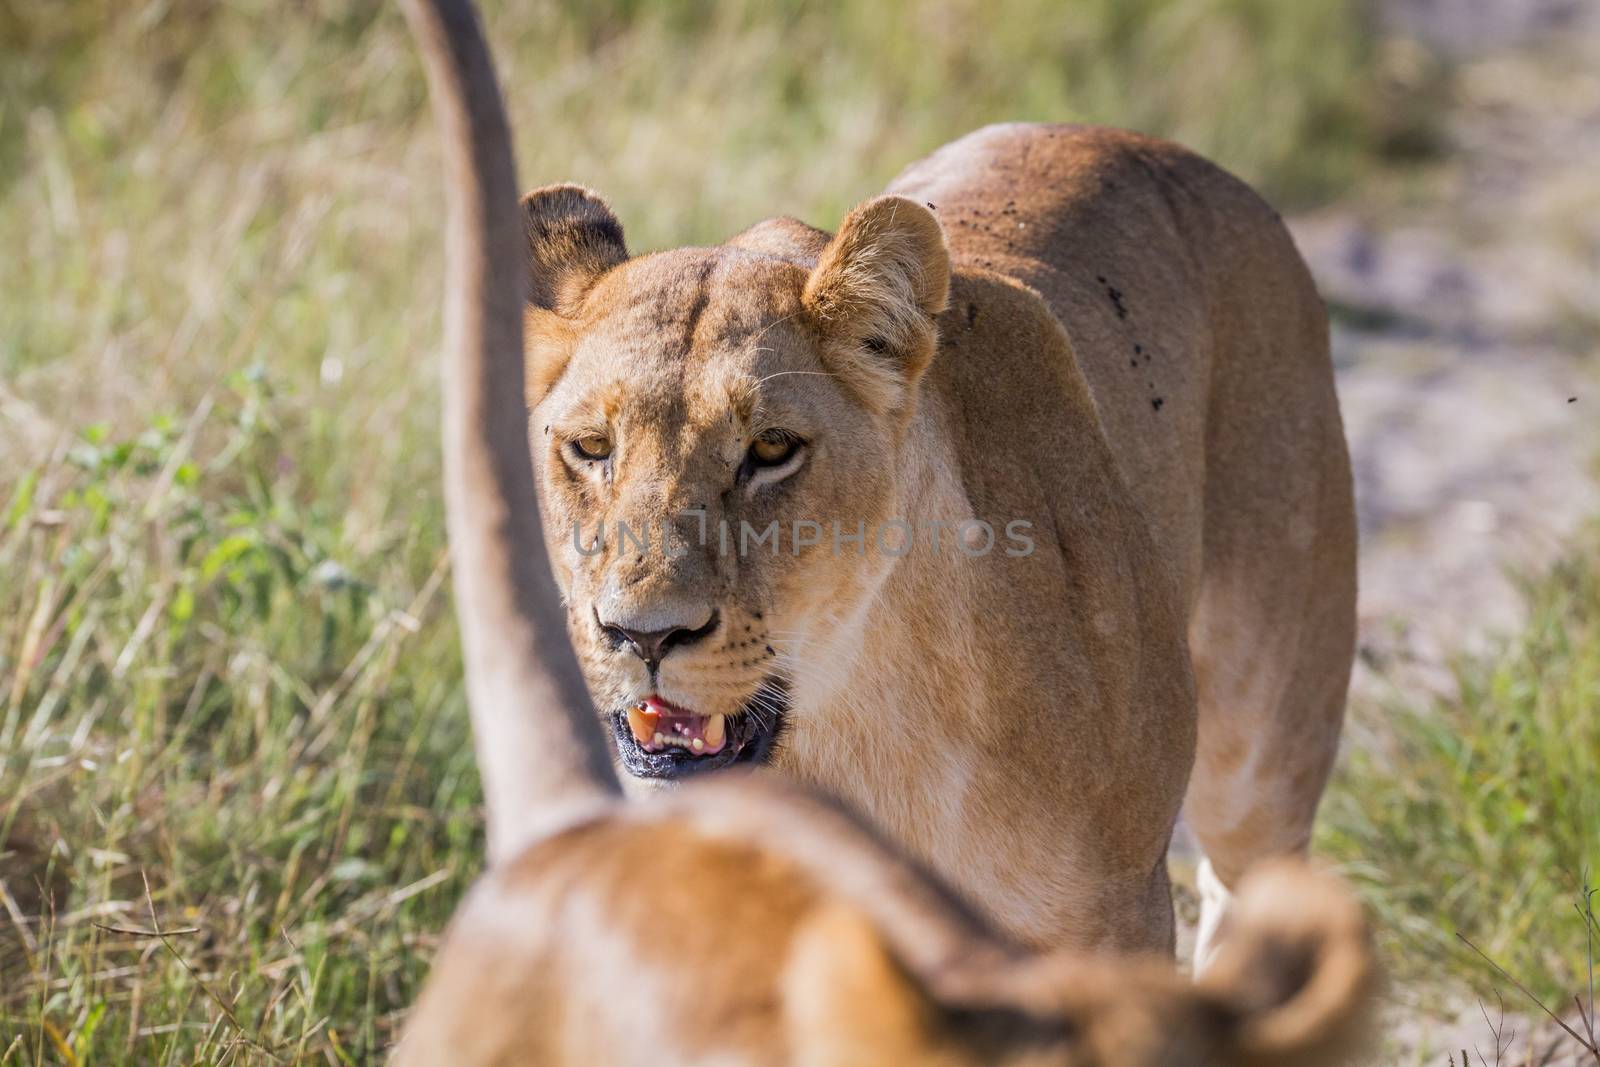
<point x="658" y="726"/>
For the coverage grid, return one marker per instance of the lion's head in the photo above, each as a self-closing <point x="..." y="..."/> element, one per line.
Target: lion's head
<point x="712" y="429"/>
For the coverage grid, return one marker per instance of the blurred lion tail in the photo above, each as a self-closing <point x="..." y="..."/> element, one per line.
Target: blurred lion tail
<point x="540" y="748"/>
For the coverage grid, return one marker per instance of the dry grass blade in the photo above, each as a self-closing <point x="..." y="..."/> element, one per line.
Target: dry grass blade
<point x="134" y="931"/>
<point x="62" y="1047"/>
<point x="216" y="998"/>
<point x="1558" y="1020"/>
<point x="1590" y="925"/>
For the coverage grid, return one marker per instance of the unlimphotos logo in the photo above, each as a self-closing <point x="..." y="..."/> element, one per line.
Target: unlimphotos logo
<point x="894" y="538"/>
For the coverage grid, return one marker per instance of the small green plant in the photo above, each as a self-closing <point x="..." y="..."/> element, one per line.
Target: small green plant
<point x="1472" y="827"/>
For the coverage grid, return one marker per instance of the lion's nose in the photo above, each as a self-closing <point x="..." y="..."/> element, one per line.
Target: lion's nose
<point x="653" y="645"/>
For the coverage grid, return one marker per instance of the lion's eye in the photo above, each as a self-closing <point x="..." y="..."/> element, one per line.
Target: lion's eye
<point x="592" y="446"/>
<point x="773" y="448"/>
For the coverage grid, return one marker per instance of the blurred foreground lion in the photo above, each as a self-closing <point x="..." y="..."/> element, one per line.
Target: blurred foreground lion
<point x="739" y="921"/>
<point x="743" y="922"/>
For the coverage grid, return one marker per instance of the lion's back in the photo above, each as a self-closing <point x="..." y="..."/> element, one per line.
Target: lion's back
<point x="1172" y="279"/>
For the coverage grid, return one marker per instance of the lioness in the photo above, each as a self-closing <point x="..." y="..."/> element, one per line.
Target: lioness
<point x="969" y="513"/>
<point x="741" y="922"/>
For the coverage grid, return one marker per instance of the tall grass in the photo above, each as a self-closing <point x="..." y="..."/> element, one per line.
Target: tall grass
<point x="236" y="796"/>
<point x="219" y="719"/>
<point x="1481" y="817"/>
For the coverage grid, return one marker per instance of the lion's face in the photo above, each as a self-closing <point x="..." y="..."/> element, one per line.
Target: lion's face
<point x="712" y="428"/>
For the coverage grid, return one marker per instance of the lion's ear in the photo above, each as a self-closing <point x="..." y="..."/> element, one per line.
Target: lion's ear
<point x="573" y="238"/>
<point x="874" y="294"/>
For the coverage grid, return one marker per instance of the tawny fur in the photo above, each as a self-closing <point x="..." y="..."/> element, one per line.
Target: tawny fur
<point x="1117" y="346"/>
<point x="742" y="921"/>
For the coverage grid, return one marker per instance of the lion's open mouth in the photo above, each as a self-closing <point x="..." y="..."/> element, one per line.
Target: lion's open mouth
<point x="656" y="739"/>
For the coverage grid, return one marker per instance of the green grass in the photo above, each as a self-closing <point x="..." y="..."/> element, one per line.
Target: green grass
<point x="229" y="690"/>
<point x="1481" y="814"/>
<point x="220" y="717"/>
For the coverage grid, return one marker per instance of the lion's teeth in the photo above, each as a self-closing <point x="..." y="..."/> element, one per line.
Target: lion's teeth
<point x="654" y="731"/>
<point x="642" y="723"/>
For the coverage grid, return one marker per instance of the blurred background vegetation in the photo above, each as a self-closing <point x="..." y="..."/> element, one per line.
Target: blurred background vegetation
<point x="236" y="796"/>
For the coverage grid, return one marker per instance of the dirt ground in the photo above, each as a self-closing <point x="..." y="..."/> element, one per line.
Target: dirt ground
<point x="1467" y="326"/>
